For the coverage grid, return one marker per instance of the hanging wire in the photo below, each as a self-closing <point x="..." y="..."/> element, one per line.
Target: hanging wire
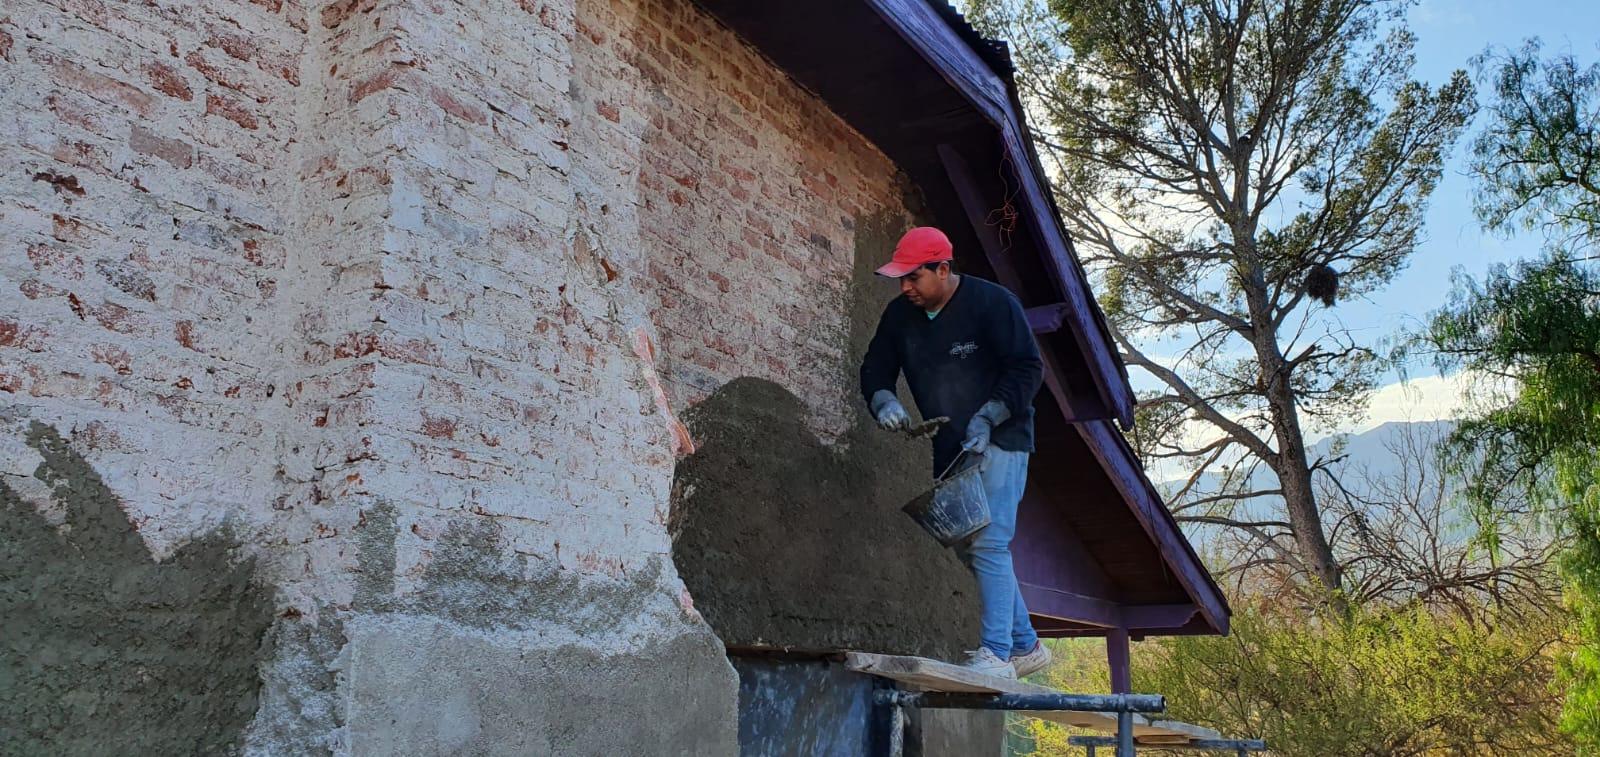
<point x="1004" y="218"/>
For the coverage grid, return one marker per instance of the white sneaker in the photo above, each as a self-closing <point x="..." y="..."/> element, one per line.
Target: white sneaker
<point x="981" y="660"/>
<point x="1032" y="662"/>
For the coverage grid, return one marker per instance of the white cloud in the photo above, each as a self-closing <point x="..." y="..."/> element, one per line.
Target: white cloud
<point x="1425" y="398"/>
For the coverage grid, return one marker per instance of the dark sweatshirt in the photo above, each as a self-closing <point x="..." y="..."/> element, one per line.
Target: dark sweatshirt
<point x="978" y="348"/>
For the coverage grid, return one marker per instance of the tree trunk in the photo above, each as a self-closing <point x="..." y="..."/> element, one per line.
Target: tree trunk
<point x="1294" y="476"/>
<point x="1290" y="464"/>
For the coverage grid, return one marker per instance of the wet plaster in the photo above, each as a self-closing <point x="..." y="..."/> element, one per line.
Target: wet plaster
<point x="788" y="542"/>
<point x="104" y="650"/>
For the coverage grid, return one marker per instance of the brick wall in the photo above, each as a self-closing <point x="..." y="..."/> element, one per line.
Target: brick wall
<point x="357" y="277"/>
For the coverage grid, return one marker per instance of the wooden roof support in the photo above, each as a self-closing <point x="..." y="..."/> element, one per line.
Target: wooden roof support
<point x="1116" y="460"/>
<point x="1046" y="319"/>
<point x="966" y="186"/>
<point x="921" y="27"/>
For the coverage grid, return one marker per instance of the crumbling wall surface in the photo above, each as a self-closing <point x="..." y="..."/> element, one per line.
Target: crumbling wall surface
<point x="382" y="313"/>
<point x="334" y="282"/>
<point x="515" y="590"/>
<point x="788" y="542"/>
<point x="173" y="450"/>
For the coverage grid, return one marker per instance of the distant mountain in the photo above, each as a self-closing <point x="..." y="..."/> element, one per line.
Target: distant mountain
<point x="1371" y="453"/>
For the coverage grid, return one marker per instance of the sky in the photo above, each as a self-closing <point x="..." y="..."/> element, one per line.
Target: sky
<point x="1449" y="33"/>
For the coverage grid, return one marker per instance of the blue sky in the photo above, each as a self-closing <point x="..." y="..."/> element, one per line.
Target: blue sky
<point x="1449" y="34"/>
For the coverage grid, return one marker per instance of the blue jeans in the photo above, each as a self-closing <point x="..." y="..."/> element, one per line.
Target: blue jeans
<point x="1005" y="624"/>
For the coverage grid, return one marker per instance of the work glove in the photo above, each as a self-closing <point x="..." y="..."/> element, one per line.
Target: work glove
<point x="888" y="411"/>
<point x="993" y="413"/>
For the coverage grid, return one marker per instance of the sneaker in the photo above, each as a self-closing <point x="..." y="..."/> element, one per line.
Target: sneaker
<point x="1032" y="662"/>
<point x="981" y="660"/>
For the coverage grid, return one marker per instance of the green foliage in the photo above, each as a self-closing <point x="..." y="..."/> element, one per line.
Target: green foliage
<point x="1538" y="159"/>
<point x="1384" y="682"/>
<point x="1537" y="324"/>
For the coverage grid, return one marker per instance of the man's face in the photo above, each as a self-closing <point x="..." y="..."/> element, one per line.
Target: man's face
<point x="925" y="286"/>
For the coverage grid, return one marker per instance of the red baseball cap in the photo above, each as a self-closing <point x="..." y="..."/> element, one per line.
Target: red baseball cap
<point x="919" y="246"/>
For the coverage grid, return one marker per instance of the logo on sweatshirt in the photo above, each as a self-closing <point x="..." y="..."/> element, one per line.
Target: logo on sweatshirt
<point x="963" y="349"/>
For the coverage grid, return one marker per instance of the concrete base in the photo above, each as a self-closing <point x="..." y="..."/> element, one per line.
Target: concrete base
<point x="425" y="686"/>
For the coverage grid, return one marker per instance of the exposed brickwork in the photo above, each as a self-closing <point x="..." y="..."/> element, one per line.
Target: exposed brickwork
<point x="466" y="260"/>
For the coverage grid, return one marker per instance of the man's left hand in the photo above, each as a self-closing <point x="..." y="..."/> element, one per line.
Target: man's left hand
<point x="993" y="413"/>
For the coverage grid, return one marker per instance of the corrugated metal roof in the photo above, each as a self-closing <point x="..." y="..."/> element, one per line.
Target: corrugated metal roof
<point x="995" y="52"/>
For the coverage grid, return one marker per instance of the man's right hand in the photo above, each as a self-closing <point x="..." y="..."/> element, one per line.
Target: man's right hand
<point x="888" y="411"/>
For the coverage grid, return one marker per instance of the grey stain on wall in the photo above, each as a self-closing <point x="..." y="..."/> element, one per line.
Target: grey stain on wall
<point x="106" y="651"/>
<point x="785" y="541"/>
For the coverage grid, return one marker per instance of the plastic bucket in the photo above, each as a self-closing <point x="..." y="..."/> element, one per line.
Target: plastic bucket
<point x="954" y="509"/>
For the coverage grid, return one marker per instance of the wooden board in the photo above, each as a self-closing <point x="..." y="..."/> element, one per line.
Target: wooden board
<point x="923" y="674"/>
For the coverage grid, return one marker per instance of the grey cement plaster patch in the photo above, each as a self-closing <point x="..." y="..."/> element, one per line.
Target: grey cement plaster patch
<point x="476" y="580"/>
<point x="787" y="542"/>
<point x="426" y="686"/>
<point x="105" y="650"/>
<point x="492" y="652"/>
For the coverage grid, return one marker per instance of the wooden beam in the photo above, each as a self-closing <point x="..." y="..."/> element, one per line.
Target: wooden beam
<point x="1117" y="459"/>
<point x="921" y="27"/>
<point x="1046" y="319"/>
<point x="1076" y="408"/>
<point x="1117" y="658"/>
<point x="1065" y="605"/>
<point x="1152" y="617"/>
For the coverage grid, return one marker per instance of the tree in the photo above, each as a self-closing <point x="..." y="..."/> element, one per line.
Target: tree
<point x="1222" y="165"/>
<point x="1537" y="323"/>
<point x="1402" y="537"/>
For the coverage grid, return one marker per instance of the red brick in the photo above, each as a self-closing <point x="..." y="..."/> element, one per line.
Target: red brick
<point x="168" y="81"/>
<point x="221" y="76"/>
<point x="233" y="110"/>
<point x="113" y="356"/>
<point x="240" y="48"/>
<point x="100" y="86"/>
<point x="438" y="428"/>
<point x="377" y="82"/>
<point x="285" y="66"/>
<point x="117" y="318"/>
<point x="455" y="107"/>
<point x="341" y="11"/>
<point x="183" y="331"/>
<point x="33" y="289"/>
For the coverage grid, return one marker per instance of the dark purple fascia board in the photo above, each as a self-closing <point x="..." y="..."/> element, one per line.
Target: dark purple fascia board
<point x="1095" y="611"/>
<point x="1117" y="459"/>
<point x="922" y="27"/>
